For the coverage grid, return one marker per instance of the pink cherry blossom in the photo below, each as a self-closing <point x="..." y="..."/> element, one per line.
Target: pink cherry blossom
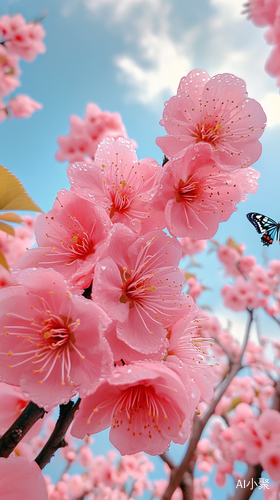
<point x="13" y="247"/>
<point x="262" y="12"/>
<point x="122" y="351"/>
<point x="5" y="277"/>
<point x="12" y="403"/>
<point x="119" y="183"/>
<point x="191" y="246"/>
<point x="195" y="288"/>
<point x="21" y="479"/>
<point x="187" y="347"/>
<point x="85" y="135"/>
<point x="140" y="286"/>
<point x="230" y="257"/>
<point x="272" y="65"/>
<point x="268" y="425"/>
<point x="196" y="194"/>
<point x="146" y="405"/>
<point x="216" y="111"/>
<point x="3" y="110"/>
<point x="22" y="106"/>
<point x="270" y="461"/>
<point x="9" y="71"/>
<point x="22" y="38"/>
<point x="71" y="239"/>
<point x="58" y="351"/>
<point x="241" y="295"/>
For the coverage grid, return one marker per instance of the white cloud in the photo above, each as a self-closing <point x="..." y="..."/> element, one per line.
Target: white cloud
<point x="167" y="63"/>
<point x="271" y="106"/>
<point x="159" y="51"/>
<point x="121" y="9"/>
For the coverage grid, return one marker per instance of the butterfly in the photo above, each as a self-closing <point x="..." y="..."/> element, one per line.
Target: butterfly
<point x="264" y="224"/>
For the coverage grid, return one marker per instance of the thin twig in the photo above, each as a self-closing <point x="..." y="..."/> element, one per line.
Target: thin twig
<point x="272" y="317"/>
<point x="20" y="427"/>
<point x="56" y="439"/>
<point x="166" y="458"/>
<point x="247" y="333"/>
<point x="186" y="484"/>
<point x="188" y="462"/>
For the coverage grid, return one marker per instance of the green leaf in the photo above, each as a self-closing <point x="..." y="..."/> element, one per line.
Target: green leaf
<point x="7" y="228"/>
<point x="3" y="261"/>
<point x="10" y="217"/>
<point x="12" y="193"/>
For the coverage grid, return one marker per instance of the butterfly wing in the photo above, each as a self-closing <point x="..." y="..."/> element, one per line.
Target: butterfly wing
<point x="264" y="224"/>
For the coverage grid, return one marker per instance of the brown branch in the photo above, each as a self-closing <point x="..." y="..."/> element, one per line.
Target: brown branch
<point x="20" y="427"/>
<point x="56" y="439"/>
<point x="187" y="483"/>
<point x="188" y="462"/>
<point x="230" y="358"/>
<point x="272" y="317"/>
<point x="276" y="398"/>
<point x="168" y="460"/>
<point x="253" y="473"/>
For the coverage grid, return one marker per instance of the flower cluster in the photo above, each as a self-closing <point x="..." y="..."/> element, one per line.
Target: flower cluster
<point x="254" y="286"/>
<point x="250" y="438"/>
<point x="85" y="135"/>
<point x="213" y="130"/>
<point x="267" y="13"/>
<point x="19" y="39"/>
<point x="98" y="308"/>
<point x="13" y="247"/>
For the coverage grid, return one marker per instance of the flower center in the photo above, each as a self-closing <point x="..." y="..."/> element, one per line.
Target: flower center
<point x="136" y="289"/>
<point x="207" y="132"/>
<point x="49" y="341"/>
<point x="121" y="197"/>
<point x="188" y="190"/>
<point x="136" y="399"/>
<point x="81" y="245"/>
<point x="56" y="332"/>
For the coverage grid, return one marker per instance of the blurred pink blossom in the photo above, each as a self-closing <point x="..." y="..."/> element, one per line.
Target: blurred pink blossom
<point x="22" y="106"/>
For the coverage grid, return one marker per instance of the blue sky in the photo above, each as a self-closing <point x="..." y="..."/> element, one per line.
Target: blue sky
<point x="128" y="56"/>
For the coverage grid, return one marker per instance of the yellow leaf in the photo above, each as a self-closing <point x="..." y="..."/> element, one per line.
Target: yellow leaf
<point x="3" y="261"/>
<point x="12" y="193"/>
<point x="215" y="242"/>
<point x="231" y="243"/>
<point x="189" y="275"/>
<point x="233" y="404"/>
<point x="206" y="308"/>
<point x="7" y="229"/>
<point x="10" y="217"/>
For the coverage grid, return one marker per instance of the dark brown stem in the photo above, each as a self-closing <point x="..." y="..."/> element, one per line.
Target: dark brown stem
<point x="276" y="398"/>
<point x="87" y="292"/>
<point x="20" y="427"/>
<point x="252" y="476"/>
<point x="168" y="460"/>
<point x="187" y="483"/>
<point x="165" y="160"/>
<point x="56" y="439"/>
